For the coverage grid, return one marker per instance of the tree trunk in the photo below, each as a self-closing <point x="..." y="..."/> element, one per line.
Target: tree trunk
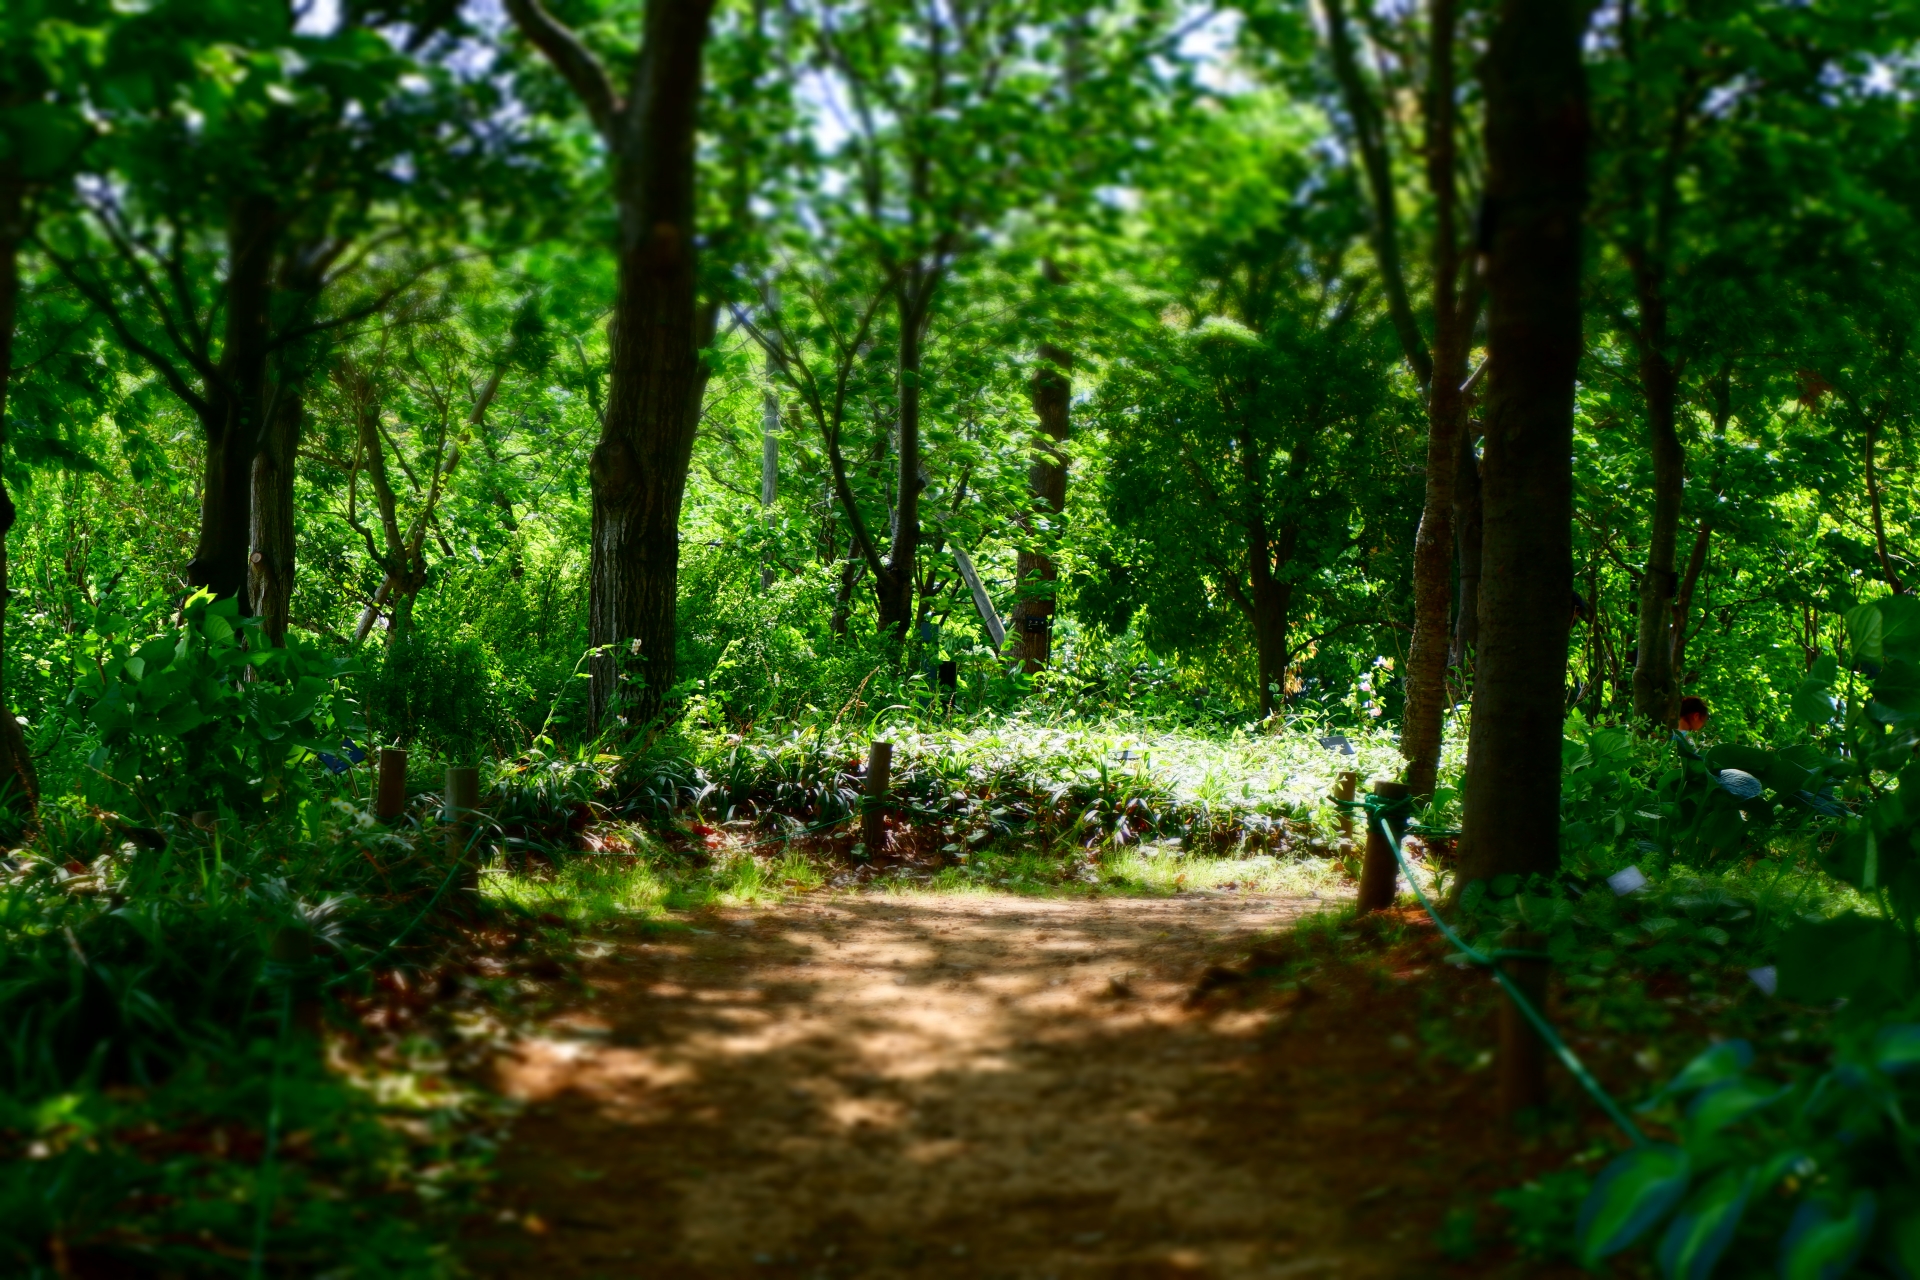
<point x="271" y="561"/>
<point x="1272" y="600"/>
<point x="237" y="402"/>
<point x="769" y="464"/>
<point x="1047" y="488"/>
<point x="1873" y="503"/>
<point x="1654" y="691"/>
<point x="1467" y="542"/>
<point x="1440" y="372"/>
<point x="894" y="590"/>
<point x="1536" y="147"/>
<point x="1682" y="611"/>
<point x="850" y="571"/>
<point x="15" y="758"/>
<point x="1433" y="558"/>
<point x="639" y="467"/>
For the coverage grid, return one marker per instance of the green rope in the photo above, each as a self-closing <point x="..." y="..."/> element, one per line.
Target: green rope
<point x="1379" y="808"/>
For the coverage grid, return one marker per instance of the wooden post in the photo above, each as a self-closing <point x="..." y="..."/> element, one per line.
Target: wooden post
<point x="1344" y="787"/>
<point x="463" y="797"/>
<point x="873" y="828"/>
<point x="391" y="799"/>
<point x="1380" y="873"/>
<point x="1523" y="1054"/>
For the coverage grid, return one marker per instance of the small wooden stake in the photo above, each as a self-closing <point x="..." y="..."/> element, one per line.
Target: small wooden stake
<point x="1380" y="872"/>
<point x="873" y="828"/>
<point x="1523" y="1054"/>
<point x="1343" y="789"/>
<point x="463" y="797"/>
<point x="391" y="799"/>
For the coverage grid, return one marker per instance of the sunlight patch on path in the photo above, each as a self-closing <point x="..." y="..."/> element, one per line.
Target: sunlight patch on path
<point x="884" y="1085"/>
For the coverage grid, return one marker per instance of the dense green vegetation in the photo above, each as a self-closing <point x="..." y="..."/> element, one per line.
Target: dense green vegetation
<point x="1104" y="400"/>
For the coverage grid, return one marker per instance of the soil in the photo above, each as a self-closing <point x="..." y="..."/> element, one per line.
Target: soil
<point x="868" y="1085"/>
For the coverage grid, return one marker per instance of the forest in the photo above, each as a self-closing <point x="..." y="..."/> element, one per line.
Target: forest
<point x="702" y="638"/>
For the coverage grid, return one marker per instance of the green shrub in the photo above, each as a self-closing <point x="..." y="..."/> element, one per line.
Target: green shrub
<point x="435" y="691"/>
<point x="206" y="715"/>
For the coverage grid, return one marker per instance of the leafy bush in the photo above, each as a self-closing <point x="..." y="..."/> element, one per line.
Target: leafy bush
<point x="436" y="691"/>
<point x="206" y="715"/>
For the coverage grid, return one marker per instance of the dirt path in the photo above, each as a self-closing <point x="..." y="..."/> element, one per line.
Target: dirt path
<point x="969" y="1087"/>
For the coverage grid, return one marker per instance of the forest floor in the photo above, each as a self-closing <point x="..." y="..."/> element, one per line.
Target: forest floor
<point x="984" y="1085"/>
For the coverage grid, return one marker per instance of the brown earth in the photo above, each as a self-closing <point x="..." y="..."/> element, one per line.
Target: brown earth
<point x="986" y="1086"/>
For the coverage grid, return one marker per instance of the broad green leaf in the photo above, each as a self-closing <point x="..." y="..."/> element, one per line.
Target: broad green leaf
<point x="1864" y="632"/>
<point x="1823" y="1243"/>
<point x="1897" y="1047"/>
<point x="1740" y="784"/>
<point x="1732" y="755"/>
<point x="1632" y="1194"/>
<point x="1724" y="1061"/>
<point x="1728" y="1103"/>
<point x="1700" y="1233"/>
<point x="1900" y="627"/>
<point x="1813" y="704"/>
<point x="1896" y="691"/>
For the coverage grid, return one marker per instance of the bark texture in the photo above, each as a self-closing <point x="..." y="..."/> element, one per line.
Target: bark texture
<point x="1440" y="370"/>
<point x="1467" y="541"/>
<point x="270" y="564"/>
<point x="1656" y="693"/>
<point x="15" y="759"/>
<point x="1873" y="503"/>
<point x="1682" y="614"/>
<point x="234" y="408"/>
<point x="639" y="467"/>
<point x="1047" y="495"/>
<point x="1536" y="146"/>
<point x="893" y="583"/>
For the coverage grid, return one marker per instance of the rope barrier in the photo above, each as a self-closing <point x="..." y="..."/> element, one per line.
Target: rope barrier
<point x="1379" y="809"/>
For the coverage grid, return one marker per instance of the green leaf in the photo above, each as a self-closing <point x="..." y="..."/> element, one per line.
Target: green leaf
<point x="1700" y="1233"/>
<point x="1812" y="703"/>
<point x="1728" y="1103"/>
<point x="1865" y="631"/>
<point x="1900" y="627"/>
<point x="1629" y="1197"/>
<point x="1897" y="1047"/>
<point x="1822" y="1244"/>
<point x="1896" y="691"/>
<point x="1732" y="755"/>
<point x="1723" y="1062"/>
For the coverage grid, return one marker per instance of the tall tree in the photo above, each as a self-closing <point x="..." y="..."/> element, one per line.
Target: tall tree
<point x="950" y="118"/>
<point x="1536" y="142"/>
<point x="1251" y="455"/>
<point x="42" y="131"/>
<point x="1440" y="369"/>
<point x="249" y="171"/>
<point x="1034" y="569"/>
<point x="639" y="468"/>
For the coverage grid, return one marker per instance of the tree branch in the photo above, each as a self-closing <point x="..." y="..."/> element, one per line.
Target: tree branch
<point x="575" y="63"/>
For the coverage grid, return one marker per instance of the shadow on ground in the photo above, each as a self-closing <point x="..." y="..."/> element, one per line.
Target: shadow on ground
<point x="979" y="1086"/>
